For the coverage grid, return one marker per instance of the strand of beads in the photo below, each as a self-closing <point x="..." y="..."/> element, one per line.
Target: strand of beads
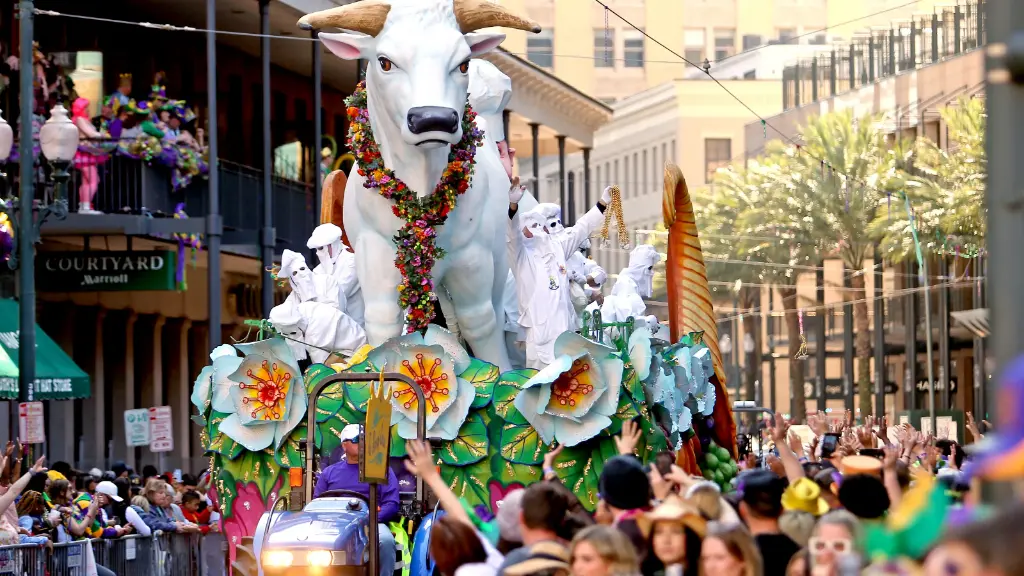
<point x="614" y="210"/>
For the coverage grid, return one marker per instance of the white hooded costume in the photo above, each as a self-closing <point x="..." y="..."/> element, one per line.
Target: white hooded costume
<point x="515" y="336"/>
<point x="542" y="277"/>
<point x="581" y="270"/>
<point x="311" y="314"/>
<point x="338" y="262"/>
<point x="634" y="283"/>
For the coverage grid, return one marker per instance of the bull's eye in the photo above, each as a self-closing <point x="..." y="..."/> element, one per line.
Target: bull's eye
<point x="385" y="64"/>
<point x="464" y="67"/>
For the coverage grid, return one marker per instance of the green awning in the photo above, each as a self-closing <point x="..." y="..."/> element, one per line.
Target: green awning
<point x="57" y="375"/>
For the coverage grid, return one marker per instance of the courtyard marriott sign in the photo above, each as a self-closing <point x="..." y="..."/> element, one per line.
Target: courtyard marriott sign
<point x="105" y="271"/>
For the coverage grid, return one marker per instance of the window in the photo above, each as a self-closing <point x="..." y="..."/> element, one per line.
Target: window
<point x="693" y="42"/>
<point x="597" y="178"/>
<point x="787" y="34"/>
<point x="645" y="189"/>
<point x="615" y="182"/>
<point x="751" y="41"/>
<point x="625" y="174"/>
<point x="664" y="156"/>
<point x="540" y="48"/>
<point x="673" y="151"/>
<point x="750" y="75"/>
<point x="607" y="177"/>
<point x="818" y="39"/>
<point x="604" y="47"/>
<point x="725" y="44"/>
<point x="636" y="170"/>
<point x="633" y="49"/>
<point x="717" y="153"/>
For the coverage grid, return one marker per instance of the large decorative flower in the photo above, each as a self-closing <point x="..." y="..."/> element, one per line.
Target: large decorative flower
<point x="693" y="368"/>
<point x="574" y="398"/>
<point x="267" y="396"/>
<point x="435" y="361"/>
<point x="640" y="355"/>
<point x="224" y="360"/>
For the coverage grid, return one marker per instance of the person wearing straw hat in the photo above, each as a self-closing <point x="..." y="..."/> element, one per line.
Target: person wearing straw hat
<point x="804" y="495"/>
<point x="326" y="162"/>
<point x="674" y="531"/>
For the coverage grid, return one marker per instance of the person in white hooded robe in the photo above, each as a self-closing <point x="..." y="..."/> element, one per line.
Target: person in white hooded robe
<point x="584" y="273"/>
<point x="337" y="261"/>
<point x="634" y="283"/>
<point x="311" y="314"/>
<point x="542" y="279"/>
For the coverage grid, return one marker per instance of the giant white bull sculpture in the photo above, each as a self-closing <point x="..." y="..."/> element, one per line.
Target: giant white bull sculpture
<point x="416" y="83"/>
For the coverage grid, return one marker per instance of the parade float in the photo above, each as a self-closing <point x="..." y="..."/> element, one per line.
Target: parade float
<point x="491" y="424"/>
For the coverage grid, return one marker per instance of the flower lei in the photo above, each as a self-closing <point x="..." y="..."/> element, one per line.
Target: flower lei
<point x="416" y="241"/>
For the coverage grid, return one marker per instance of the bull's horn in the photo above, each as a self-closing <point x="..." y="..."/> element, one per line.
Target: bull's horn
<point x="366" y="16"/>
<point x="476" y="14"/>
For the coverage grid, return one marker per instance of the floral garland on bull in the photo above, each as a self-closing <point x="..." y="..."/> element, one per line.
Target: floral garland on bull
<point x="495" y="428"/>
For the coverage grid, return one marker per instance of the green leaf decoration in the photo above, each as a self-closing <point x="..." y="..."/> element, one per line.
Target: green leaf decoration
<point x="505" y="391"/>
<point x="226" y="447"/>
<point x="227" y="490"/>
<point x="507" y="473"/>
<point x="364" y="366"/>
<point x="213" y="423"/>
<point x="397" y="444"/>
<point x="470" y="446"/>
<point x="257" y="467"/>
<point x="522" y="444"/>
<point x="470" y="482"/>
<point x="331" y="402"/>
<point x="483" y="376"/>
<point x="626" y="411"/>
<point x="632" y="383"/>
<point x="289" y="456"/>
<point x="579" y="468"/>
<point x="199" y="419"/>
<point x="315" y="374"/>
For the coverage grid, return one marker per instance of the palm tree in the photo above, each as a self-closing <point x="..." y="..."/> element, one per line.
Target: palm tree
<point x="769" y="233"/>
<point x="946" y="189"/>
<point x="829" y="190"/>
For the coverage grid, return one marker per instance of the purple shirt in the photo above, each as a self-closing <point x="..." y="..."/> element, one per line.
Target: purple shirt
<point x="345" y="476"/>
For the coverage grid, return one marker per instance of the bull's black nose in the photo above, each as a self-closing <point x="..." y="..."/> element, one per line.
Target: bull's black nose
<point x="433" y="119"/>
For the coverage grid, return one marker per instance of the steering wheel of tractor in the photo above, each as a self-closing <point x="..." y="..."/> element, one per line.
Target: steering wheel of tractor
<point x="344" y="493"/>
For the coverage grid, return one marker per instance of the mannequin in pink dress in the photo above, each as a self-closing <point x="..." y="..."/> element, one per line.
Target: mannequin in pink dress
<point x="86" y="161"/>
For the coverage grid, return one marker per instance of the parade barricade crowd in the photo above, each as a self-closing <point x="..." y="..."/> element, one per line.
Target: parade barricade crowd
<point x="97" y="523"/>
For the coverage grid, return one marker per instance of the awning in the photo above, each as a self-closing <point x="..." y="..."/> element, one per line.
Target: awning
<point x="974" y="320"/>
<point x="57" y="375"/>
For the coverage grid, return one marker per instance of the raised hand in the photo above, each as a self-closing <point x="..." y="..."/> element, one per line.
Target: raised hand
<point x="421" y="460"/>
<point x="626" y="441"/>
<point x="779" y="429"/>
<point x="515" y="192"/>
<point x="892" y="454"/>
<point x="549" y="458"/>
<point x="39" y="466"/>
<point x="606" y="196"/>
<point x="795" y="444"/>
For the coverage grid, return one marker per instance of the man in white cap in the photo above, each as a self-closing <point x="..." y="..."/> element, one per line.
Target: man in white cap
<point x="538" y="260"/>
<point x="584" y="274"/>
<point x="337" y="261"/>
<point x="344" y="475"/>
<point x="634" y="283"/>
<point x="310" y="318"/>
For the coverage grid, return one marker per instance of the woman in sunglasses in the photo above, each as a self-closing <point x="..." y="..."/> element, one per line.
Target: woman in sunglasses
<point x="835" y="544"/>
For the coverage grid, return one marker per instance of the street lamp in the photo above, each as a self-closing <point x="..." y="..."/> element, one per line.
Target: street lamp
<point x="58" y="139"/>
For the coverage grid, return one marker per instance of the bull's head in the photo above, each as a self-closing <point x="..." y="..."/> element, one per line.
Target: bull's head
<point x="418" y="55"/>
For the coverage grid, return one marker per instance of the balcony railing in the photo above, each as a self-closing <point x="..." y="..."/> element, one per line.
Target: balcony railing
<point x="128" y="186"/>
<point x="882" y="53"/>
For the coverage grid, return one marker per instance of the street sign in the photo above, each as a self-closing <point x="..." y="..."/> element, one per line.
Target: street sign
<point x="376" y="444"/>
<point x="161" y="438"/>
<point x="136" y="427"/>
<point x="32" y="427"/>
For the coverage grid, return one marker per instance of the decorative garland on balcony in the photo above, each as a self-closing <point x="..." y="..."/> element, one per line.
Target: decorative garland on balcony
<point x="416" y="241"/>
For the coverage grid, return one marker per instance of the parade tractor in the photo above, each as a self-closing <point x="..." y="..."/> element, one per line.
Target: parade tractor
<point x="335" y="533"/>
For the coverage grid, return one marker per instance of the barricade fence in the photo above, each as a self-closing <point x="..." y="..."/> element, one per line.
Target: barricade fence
<point x="134" y="555"/>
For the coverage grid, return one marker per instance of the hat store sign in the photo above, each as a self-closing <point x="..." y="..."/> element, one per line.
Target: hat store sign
<point x="104" y="271"/>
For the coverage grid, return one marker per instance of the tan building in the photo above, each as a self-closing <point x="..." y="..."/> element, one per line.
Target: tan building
<point x="908" y="91"/>
<point x="603" y="56"/>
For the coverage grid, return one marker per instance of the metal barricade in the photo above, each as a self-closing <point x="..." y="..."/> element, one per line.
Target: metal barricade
<point x="23" y="559"/>
<point x="69" y="559"/>
<point x="126" y="556"/>
<point x="177" y="554"/>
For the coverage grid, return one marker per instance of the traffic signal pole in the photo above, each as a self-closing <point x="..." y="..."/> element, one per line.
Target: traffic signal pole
<point x="1004" y="141"/>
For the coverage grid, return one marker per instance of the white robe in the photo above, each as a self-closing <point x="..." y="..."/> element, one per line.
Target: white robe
<point x="350" y="295"/>
<point x="330" y="328"/>
<point x="327" y="292"/>
<point x="543" y="282"/>
<point x="515" y="336"/>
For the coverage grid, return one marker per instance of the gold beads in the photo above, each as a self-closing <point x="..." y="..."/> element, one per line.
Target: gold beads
<point x="614" y="210"/>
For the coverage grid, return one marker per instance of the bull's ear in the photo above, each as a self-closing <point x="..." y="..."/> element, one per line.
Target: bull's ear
<point x="481" y="43"/>
<point x="347" y="46"/>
